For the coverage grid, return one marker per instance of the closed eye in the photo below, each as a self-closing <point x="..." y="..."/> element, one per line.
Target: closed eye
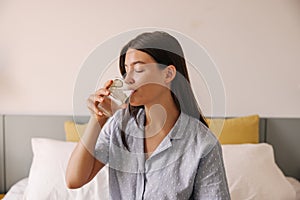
<point x="139" y="71"/>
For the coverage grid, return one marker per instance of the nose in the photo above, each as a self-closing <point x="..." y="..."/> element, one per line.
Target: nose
<point x="128" y="78"/>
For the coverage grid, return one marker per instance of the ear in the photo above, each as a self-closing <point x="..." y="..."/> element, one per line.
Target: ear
<point x="170" y="73"/>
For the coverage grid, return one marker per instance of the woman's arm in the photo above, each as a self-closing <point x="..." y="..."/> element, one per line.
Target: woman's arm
<point x="83" y="166"/>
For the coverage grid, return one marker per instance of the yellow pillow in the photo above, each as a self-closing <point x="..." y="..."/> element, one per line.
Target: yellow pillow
<point x="236" y="130"/>
<point x="74" y="131"/>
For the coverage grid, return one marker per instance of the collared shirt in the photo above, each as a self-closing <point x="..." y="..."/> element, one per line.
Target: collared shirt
<point x="187" y="164"/>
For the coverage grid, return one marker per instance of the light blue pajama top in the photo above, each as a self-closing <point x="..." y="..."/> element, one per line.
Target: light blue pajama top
<point x="187" y="164"/>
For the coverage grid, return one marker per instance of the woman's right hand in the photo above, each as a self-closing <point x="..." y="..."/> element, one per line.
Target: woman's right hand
<point x="100" y="99"/>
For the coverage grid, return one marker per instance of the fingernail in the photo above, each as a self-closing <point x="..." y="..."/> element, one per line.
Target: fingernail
<point x="100" y="113"/>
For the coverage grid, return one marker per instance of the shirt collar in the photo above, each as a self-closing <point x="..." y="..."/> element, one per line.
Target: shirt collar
<point x="178" y="130"/>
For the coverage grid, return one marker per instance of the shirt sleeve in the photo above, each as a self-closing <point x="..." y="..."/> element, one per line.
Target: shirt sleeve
<point x="101" y="151"/>
<point x="211" y="182"/>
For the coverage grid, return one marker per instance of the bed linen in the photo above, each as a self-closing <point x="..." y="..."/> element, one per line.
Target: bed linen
<point x="296" y="185"/>
<point x="17" y="191"/>
<point x="253" y="173"/>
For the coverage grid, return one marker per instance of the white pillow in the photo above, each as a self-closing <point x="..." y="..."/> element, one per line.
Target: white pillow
<point x="47" y="174"/>
<point x="253" y="174"/>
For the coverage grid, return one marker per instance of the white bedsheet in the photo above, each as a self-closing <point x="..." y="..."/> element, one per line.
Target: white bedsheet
<point x="17" y="190"/>
<point x="296" y="185"/>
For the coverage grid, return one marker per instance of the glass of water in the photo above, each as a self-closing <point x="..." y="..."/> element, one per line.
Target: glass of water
<point x="119" y="94"/>
<point x="119" y="91"/>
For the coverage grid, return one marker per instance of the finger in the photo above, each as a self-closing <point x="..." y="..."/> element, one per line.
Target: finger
<point x="93" y="101"/>
<point x="97" y="99"/>
<point x="105" y="90"/>
<point x="95" y="109"/>
<point x="102" y="92"/>
<point x="108" y="84"/>
<point x="91" y="104"/>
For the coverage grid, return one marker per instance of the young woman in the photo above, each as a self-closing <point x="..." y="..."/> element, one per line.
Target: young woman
<point x="159" y="146"/>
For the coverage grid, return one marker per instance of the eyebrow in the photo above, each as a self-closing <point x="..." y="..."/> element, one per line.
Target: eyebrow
<point x="136" y="62"/>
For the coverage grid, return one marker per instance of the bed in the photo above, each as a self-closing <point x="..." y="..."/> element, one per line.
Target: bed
<point x="35" y="149"/>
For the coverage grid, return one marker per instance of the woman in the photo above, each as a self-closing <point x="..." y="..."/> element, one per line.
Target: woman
<point x="159" y="146"/>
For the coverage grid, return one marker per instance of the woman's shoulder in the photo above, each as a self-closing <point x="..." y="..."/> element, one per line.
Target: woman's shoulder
<point x="196" y="124"/>
<point x="201" y="134"/>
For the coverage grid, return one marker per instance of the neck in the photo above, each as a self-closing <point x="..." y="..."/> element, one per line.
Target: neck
<point x="161" y="117"/>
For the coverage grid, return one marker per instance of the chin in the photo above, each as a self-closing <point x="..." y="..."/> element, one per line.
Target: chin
<point x="135" y="104"/>
<point x="133" y="101"/>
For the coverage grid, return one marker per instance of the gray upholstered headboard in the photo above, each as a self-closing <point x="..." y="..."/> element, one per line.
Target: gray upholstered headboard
<point x="284" y="135"/>
<point x="16" y="132"/>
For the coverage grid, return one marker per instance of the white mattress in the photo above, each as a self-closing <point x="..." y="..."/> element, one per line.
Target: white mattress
<point x="17" y="190"/>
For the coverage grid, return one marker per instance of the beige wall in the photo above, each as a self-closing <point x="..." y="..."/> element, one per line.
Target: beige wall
<point x="255" y="45"/>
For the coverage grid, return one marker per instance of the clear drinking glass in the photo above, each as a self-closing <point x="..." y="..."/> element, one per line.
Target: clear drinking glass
<point x="119" y="94"/>
<point x="119" y="91"/>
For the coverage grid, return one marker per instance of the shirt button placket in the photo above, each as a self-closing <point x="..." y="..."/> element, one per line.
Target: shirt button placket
<point x="141" y="184"/>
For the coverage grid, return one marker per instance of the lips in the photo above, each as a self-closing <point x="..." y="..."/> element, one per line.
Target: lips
<point x="133" y="91"/>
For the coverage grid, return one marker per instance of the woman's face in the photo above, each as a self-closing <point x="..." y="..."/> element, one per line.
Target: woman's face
<point x="145" y="78"/>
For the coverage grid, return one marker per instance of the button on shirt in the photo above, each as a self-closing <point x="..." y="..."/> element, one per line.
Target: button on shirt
<point x="187" y="164"/>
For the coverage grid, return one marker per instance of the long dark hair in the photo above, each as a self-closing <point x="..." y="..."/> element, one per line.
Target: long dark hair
<point x="166" y="50"/>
